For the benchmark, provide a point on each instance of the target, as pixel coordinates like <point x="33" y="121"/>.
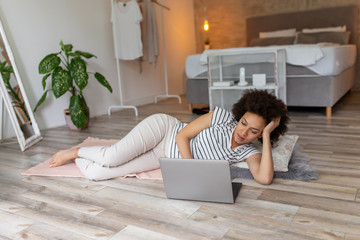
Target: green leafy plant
<point x="67" y="69"/>
<point x="14" y="93"/>
<point x="207" y="41"/>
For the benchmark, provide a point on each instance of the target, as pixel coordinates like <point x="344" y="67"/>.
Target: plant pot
<point x="207" y="46"/>
<point x="27" y="129"/>
<point x="71" y="124"/>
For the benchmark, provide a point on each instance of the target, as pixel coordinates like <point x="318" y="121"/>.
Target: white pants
<point x="138" y="151"/>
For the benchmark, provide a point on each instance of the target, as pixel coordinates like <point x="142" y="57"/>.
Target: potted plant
<point x="67" y="69"/>
<point x="207" y="44"/>
<point x="16" y="100"/>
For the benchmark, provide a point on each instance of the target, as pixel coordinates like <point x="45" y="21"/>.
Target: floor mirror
<point x="14" y="97"/>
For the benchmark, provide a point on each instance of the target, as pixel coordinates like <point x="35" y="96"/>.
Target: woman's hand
<point x="271" y="126"/>
<point x="261" y="166"/>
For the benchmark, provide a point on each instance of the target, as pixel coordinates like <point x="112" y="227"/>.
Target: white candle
<point x="242" y="77"/>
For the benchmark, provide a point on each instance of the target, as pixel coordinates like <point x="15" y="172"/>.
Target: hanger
<point x="161" y="5"/>
<point x="153" y="1"/>
<point x="124" y="2"/>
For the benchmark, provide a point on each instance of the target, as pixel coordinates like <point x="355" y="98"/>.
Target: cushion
<point x="330" y="37"/>
<point x="281" y="153"/>
<point x="272" y="41"/>
<point x="279" y="33"/>
<point x="325" y="29"/>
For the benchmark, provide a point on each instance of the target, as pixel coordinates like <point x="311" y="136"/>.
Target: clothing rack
<point x="121" y="106"/>
<point x="166" y="95"/>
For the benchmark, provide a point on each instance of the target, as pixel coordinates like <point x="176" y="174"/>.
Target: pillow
<point x="326" y="29"/>
<point x="332" y="37"/>
<point x="280" y="33"/>
<point x="272" y="41"/>
<point x="281" y="153"/>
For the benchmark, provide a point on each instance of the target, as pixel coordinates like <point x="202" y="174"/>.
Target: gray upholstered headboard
<point x="328" y="17"/>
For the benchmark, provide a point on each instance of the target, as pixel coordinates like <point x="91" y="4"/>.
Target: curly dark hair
<point x="265" y="105"/>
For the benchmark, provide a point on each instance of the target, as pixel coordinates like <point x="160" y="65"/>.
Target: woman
<point x="219" y="134"/>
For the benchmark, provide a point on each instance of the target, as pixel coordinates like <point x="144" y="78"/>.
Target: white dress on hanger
<point x="127" y="18"/>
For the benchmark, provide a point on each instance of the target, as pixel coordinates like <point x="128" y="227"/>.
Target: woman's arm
<point x="261" y="166"/>
<point x="184" y="136"/>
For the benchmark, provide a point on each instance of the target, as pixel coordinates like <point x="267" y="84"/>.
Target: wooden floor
<point x="76" y="208"/>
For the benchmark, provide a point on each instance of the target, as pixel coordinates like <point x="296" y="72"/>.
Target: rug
<point x="70" y="169"/>
<point x="299" y="168"/>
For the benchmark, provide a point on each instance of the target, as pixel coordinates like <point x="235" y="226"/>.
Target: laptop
<point x="198" y="179"/>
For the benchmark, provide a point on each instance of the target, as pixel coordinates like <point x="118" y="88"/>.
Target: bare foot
<point x="63" y="156"/>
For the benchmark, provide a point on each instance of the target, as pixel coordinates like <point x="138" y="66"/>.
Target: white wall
<point x="180" y="41"/>
<point x="35" y="27"/>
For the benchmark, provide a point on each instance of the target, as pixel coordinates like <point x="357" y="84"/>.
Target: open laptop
<point x="198" y="179"/>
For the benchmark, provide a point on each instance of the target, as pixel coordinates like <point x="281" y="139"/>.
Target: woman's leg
<point x="94" y="171"/>
<point x="144" y="137"/>
<point x="144" y="162"/>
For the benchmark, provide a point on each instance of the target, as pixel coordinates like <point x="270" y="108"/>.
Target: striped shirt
<point x="215" y="142"/>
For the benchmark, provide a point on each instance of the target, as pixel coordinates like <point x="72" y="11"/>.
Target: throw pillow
<point x="279" y="33"/>
<point x="272" y="41"/>
<point x="325" y="29"/>
<point x="330" y="37"/>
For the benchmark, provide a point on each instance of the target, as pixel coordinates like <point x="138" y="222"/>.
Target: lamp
<point x="206" y="25"/>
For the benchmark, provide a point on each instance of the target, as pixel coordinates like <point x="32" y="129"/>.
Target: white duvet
<point x="324" y="59"/>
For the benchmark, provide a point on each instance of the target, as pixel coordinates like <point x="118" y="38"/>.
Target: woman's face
<point x="249" y="128"/>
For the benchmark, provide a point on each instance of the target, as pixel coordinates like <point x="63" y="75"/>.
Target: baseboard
<point x="139" y="101"/>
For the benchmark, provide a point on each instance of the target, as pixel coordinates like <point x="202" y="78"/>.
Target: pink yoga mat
<point x="70" y="169"/>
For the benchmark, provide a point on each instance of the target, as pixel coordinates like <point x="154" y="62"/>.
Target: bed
<point x="319" y="81"/>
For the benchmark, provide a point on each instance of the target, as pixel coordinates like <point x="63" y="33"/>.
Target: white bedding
<point x="324" y="59"/>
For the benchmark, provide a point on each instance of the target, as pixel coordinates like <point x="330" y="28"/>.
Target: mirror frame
<point x="28" y="142"/>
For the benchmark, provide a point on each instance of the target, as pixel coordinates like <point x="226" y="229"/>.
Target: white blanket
<point x="299" y="54"/>
<point x="324" y="59"/>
